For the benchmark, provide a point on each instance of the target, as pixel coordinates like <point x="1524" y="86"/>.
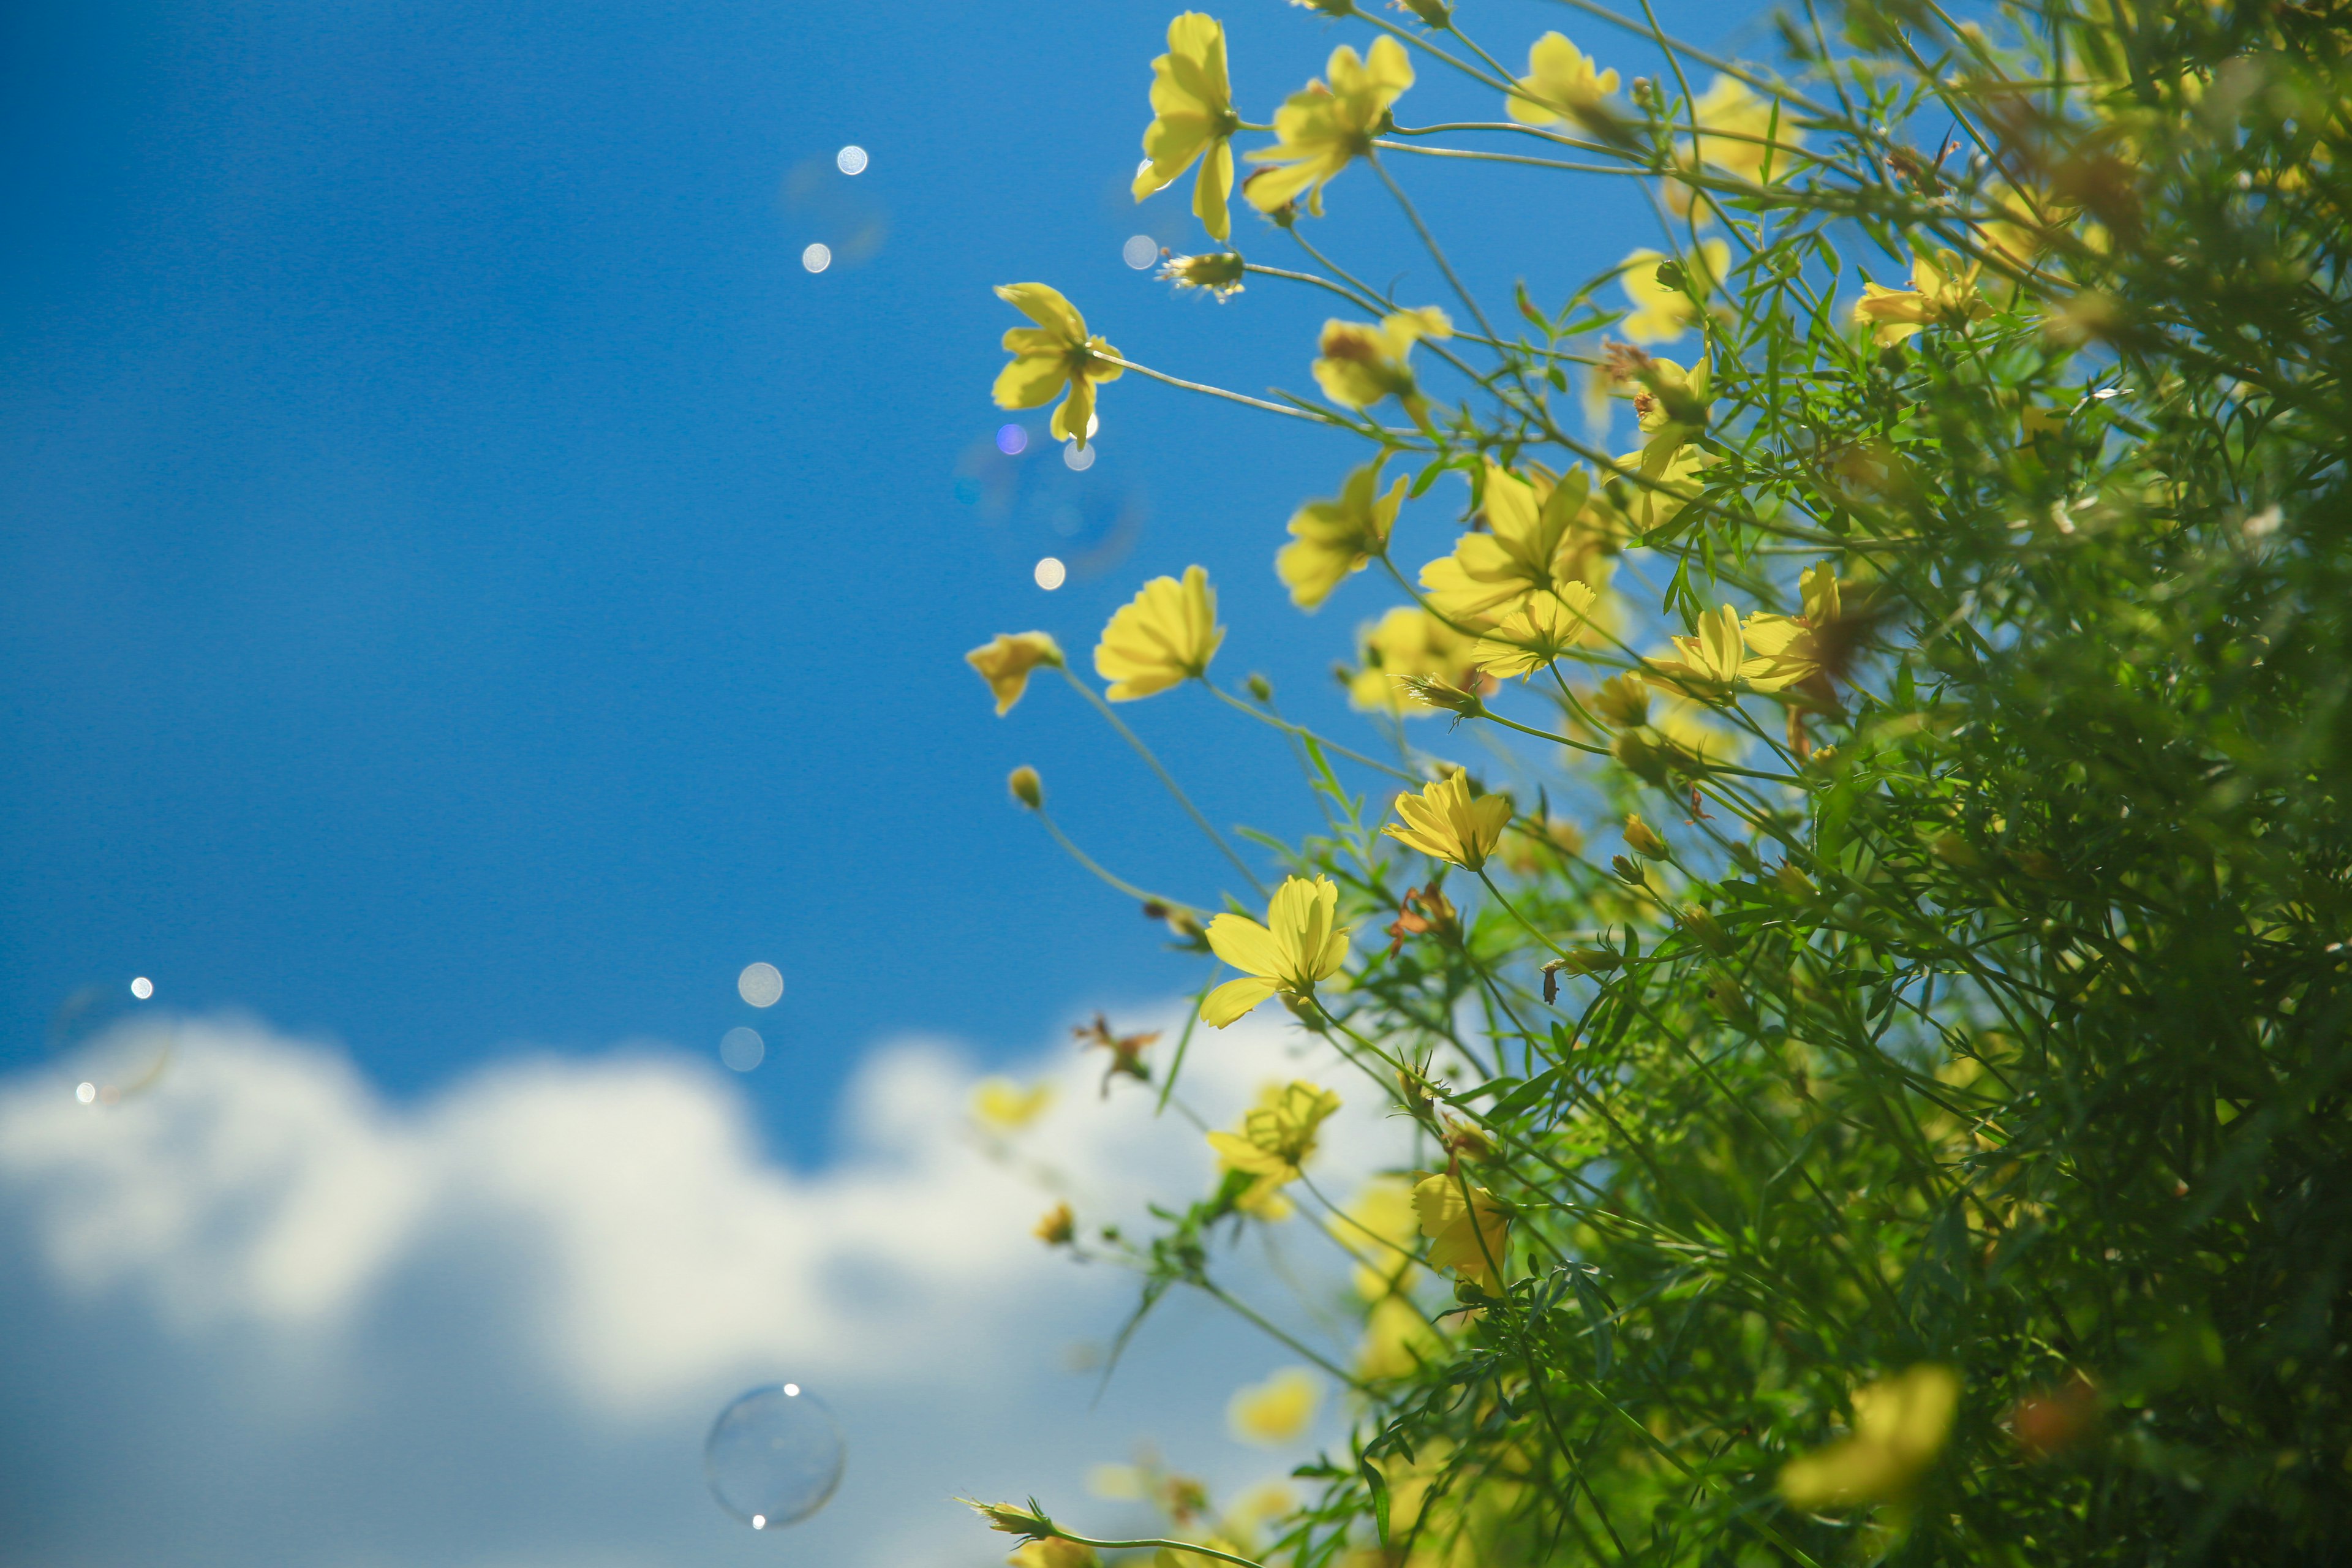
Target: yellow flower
<point x="1710" y="664"/>
<point x="1058" y="1227"/>
<point x="1470" y="1235"/>
<point x="1540" y="535"/>
<point x="1544" y="626"/>
<point x="1622" y="700"/>
<point x="1218" y="271"/>
<point x="1383" y="1237"/>
<point x="1409" y="643"/>
<point x="1360" y="364"/>
<point x="1561" y="84"/>
<point x="1445" y="820"/>
<point x="1164" y="636"/>
<point x="1193" y="110"/>
<point x="1278" y="1411"/>
<point x="1335" y="538"/>
<point x="1055" y="354"/>
<point x="1397" y="1339"/>
<point x="1900" y="1423"/>
<point x="1941" y="294"/>
<point x="1006" y="664"/>
<point x="1661" y="313"/>
<point x="1320" y="130"/>
<point x="1299" y="944"/>
<point x="1736" y="135"/>
<point x="1002" y="1105"/>
<point x="1277" y="1134"/>
<point x="1788" y="648"/>
<point x="1054" y="1552"/>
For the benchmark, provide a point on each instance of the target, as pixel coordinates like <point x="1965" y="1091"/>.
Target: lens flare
<point x="850" y="160"/>
<point x="817" y="258"/>
<point x="1051" y="573"/>
<point x="1139" y="251"/>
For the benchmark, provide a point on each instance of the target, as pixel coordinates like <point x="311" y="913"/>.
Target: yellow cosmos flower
<point x="1056" y="353"/>
<point x="1276" y="1140"/>
<point x="1736" y="135"/>
<point x="1002" y="1105"/>
<point x="1192" y="117"/>
<point x="1446" y="821"/>
<point x="1562" y="84"/>
<point x="1792" y="649"/>
<point x="1544" y="626"/>
<point x="1408" y="644"/>
<point x="1332" y="539"/>
<point x="1278" y="1411"/>
<point x="1164" y="636"/>
<point x="1467" y="1235"/>
<point x="1383" y="1237"/>
<point x="1942" y="293"/>
<point x="1662" y="314"/>
<point x="1299" y="944"/>
<point x="1398" y="1341"/>
<point x="1708" y="666"/>
<point x="1540" y="534"/>
<point x="1320" y="130"/>
<point x="1359" y="365"/>
<point x="1006" y="662"/>
<point x="1900" y="1424"/>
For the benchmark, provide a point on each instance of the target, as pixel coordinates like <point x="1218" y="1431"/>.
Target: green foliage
<point x="1991" y="1012"/>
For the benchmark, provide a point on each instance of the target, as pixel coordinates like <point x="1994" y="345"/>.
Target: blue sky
<point x="466" y="590"/>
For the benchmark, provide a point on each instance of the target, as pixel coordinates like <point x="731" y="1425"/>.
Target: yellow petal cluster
<point x="1192" y="117"/>
<point x="1164" y="636"/>
<point x="1540" y="534"/>
<point x="1942" y="293"/>
<point x="1358" y="364"/>
<point x="1788" y="649"/>
<point x="1445" y="820"/>
<point x="1331" y="539"/>
<point x="1900" y="1424"/>
<point x="1707" y="666"/>
<point x="1006" y="661"/>
<point x="1737" y="135"/>
<point x="1562" y="84"/>
<point x="1544" y="626"/>
<point x="1278" y="1411"/>
<point x="1320" y="129"/>
<point x="1300" y="943"/>
<point x="1469" y="1230"/>
<point x="1408" y="644"/>
<point x="1661" y="314"/>
<point x="1058" y="353"/>
<point x="1002" y="1105"/>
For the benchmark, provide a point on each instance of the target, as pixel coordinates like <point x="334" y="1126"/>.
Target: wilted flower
<point x="1664" y="310"/>
<point x="1421" y="912"/>
<point x="1166" y="635"/>
<point x="1006" y="662"/>
<point x="1331" y="539"/>
<point x="1126" y="1050"/>
<point x="1276" y="1137"/>
<point x="1057" y="352"/>
<point x="1900" y="1423"/>
<point x="1446" y="821"/>
<point x="1562" y="84"/>
<point x="1469" y="1234"/>
<point x="1275" y="1412"/>
<point x="1321" y="130"/>
<point x="1942" y="293"/>
<point x="1360" y="364"/>
<point x="1193" y="110"/>
<point x="1299" y="944"/>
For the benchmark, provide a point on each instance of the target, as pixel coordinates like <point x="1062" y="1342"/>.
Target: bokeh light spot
<point x="742" y="1049"/>
<point x="817" y="258"/>
<point x="1139" y="251"/>
<point x="1012" y="440"/>
<point x="761" y="984"/>
<point x="1051" y="573"/>
<point x="86" y="1092"/>
<point x="1077" y="458"/>
<point x="850" y="160"/>
<point x="774" y="1457"/>
<point x="143" y="988"/>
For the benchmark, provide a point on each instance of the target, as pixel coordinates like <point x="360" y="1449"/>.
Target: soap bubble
<point x="110" y="1040"/>
<point x="743" y="1049"/>
<point x="774" y="1457"/>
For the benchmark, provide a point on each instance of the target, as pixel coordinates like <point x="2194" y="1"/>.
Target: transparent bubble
<point x="1051" y="573"/>
<point x="850" y="160"/>
<point x="1012" y="440"/>
<point x="817" y="258"/>
<point x="761" y="984"/>
<point x="743" y="1049"/>
<point x="1077" y="458"/>
<point x="774" y="1457"/>
<point x="1139" y="251"/>
<point x="110" y="1040"/>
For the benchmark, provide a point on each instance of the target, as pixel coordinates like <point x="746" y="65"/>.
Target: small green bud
<point x="1026" y="787"/>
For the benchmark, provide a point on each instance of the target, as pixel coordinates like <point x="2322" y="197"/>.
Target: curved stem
<point x="1510" y="158"/>
<point x="1513" y="910"/>
<point x="1167" y="779"/>
<point x="1161" y="1544"/>
<point x="1216" y="391"/>
<point x="1429" y="242"/>
<point x="1091" y="864"/>
<point x="1287" y="728"/>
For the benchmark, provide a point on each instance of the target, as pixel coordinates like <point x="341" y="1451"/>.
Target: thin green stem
<point x="1166" y="778"/>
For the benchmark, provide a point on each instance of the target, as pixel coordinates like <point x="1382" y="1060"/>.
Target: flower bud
<point x="1059" y="1227"/>
<point x="1623" y="700"/>
<point x="1644" y="840"/>
<point x="1013" y="1518"/>
<point x="1259" y="687"/>
<point x="1641" y="756"/>
<point x="1629" y="872"/>
<point x="1709" y="932"/>
<point x="1436" y="13"/>
<point x="1026" y="787"/>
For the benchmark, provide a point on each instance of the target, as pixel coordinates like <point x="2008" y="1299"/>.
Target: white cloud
<point x="559" y="1268"/>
